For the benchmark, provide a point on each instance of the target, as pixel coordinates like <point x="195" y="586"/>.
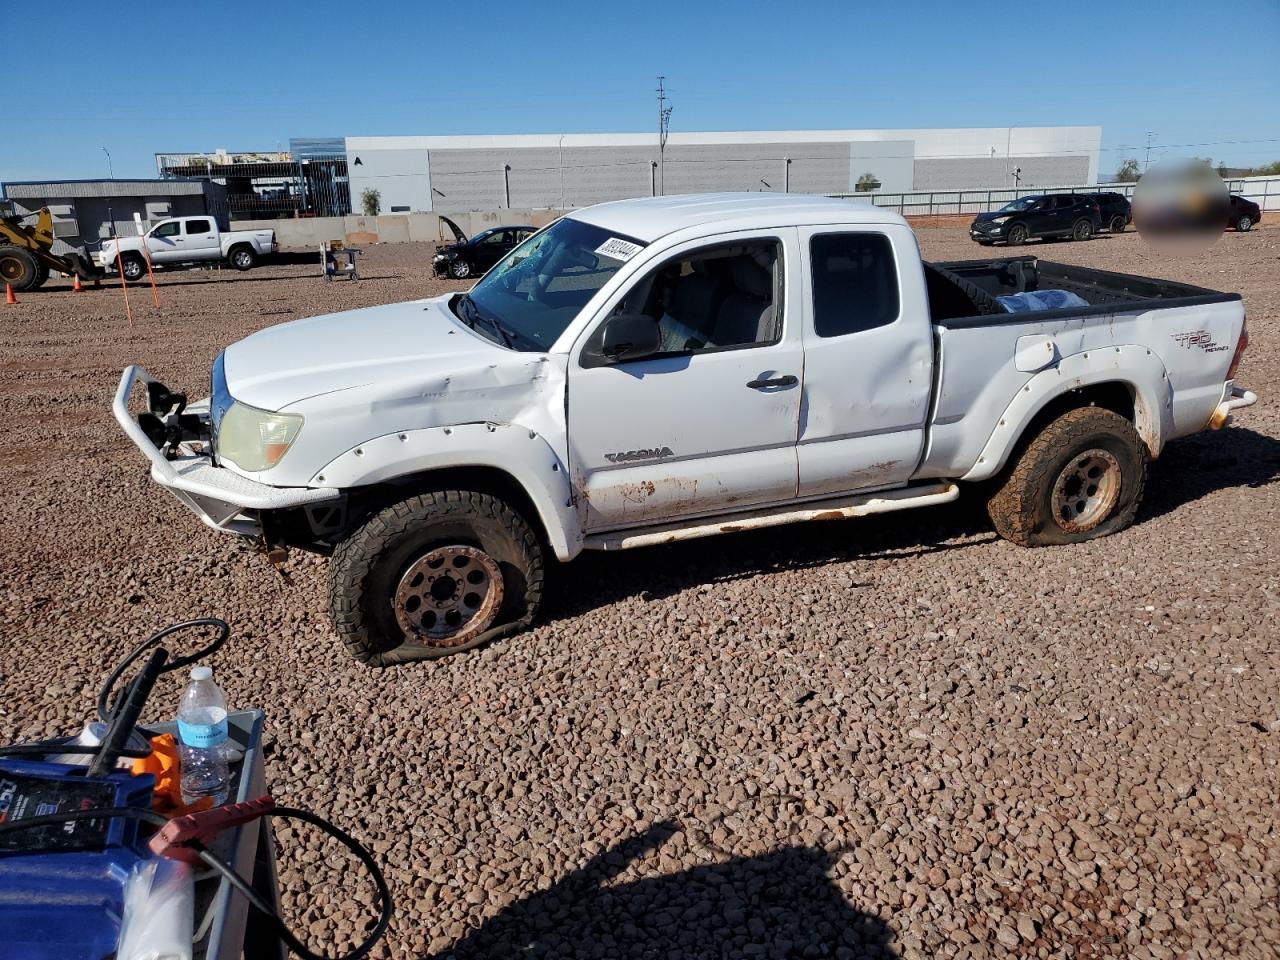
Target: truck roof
<point x="648" y="218"/>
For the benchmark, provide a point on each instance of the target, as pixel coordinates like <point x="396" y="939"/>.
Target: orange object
<point x="166" y="765"/>
<point x="8" y="294"/>
<point x="75" y="285"/>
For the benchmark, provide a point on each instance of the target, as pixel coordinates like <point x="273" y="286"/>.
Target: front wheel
<point x="133" y="267"/>
<point x="1017" y="235"/>
<point x="459" y="269"/>
<point x="435" y="574"/>
<point x="1083" y="230"/>
<point x="1081" y="478"/>
<point x="242" y="258"/>
<point x="1244" y="224"/>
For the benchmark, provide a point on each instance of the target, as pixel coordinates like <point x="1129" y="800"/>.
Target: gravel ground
<point x="896" y="736"/>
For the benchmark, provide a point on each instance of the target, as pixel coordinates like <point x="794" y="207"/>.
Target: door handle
<point x="787" y="381"/>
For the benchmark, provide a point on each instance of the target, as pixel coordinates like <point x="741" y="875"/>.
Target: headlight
<point x="255" y="439"/>
<point x="439" y="256"/>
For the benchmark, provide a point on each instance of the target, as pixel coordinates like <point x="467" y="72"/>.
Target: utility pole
<point x="1146" y="163"/>
<point x="664" y="124"/>
<point x="111" y="173"/>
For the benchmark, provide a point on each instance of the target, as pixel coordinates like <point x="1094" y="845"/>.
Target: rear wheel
<point x="1082" y="477"/>
<point x="1017" y="235"/>
<point x="1117" y="224"/>
<point x="1244" y="224"/>
<point x="19" y="268"/>
<point x="438" y="573"/>
<point x="1083" y="230"/>
<point x="242" y="258"/>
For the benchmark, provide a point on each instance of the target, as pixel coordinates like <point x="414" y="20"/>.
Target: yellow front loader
<point x="26" y="253"/>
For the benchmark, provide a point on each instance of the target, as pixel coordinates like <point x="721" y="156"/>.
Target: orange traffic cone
<point x="8" y="294"/>
<point x="75" y="286"/>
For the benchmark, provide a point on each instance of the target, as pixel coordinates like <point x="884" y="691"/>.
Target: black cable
<point x="106" y="708"/>
<point x="237" y="881"/>
<point x="45" y="748"/>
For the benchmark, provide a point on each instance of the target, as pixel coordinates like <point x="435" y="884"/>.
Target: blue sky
<point x="190" y="76"/>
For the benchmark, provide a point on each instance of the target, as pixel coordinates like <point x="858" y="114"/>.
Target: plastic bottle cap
<point x="201" y="673"/>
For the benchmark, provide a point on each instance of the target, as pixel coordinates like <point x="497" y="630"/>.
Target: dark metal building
<point x="86" y="212"/>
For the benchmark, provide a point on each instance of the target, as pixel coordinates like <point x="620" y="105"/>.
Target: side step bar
<point x="885" y="501"/>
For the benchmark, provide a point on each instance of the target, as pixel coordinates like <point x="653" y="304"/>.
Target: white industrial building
<point x="457" y="174"/>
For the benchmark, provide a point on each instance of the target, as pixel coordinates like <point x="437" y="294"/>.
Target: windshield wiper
<point x="463" y="302"/>
<point x="469" y="313"/>
<point x="502" y="331"/>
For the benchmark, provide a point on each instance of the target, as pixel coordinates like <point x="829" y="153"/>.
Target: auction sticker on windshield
<point x="618" y="249"/>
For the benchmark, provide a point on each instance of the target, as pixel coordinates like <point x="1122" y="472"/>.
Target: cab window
<point x="169" y="229"/>
<point x="723" y="297"/>
<point x="855" y="283"/>
<point x="200" y="227"/>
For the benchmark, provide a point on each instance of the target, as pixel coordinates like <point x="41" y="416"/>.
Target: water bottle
<point x="202" y="732"/>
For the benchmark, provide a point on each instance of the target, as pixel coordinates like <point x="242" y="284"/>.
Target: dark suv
<point x="1077" y="216"/>
<point x="1244" y="213"/>
<point x="1115" y="210"/>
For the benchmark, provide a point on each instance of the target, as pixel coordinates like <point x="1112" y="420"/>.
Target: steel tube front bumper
<point x="222" y="499"/>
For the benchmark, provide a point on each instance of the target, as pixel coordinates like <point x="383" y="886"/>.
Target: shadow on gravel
<point x="1206" y="462"/>
<point x="658" y="572"/>
<point x="783" y="904"/>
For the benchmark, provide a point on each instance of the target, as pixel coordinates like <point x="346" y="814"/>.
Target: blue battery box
<point x="62" y="887"/>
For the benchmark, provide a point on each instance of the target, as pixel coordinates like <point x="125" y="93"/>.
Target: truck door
<point x="201" y="239"/>
<point x="709" y="422"/>
<point x="868" y="359"/>
<point x="165" y="243"/>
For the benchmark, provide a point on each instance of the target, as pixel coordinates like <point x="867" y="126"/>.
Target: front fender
<point x="1136" y="367"/>
<point x="517" y="451"/>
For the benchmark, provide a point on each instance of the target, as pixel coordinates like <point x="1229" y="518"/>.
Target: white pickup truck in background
<point x="652" y="370"/>
<point x="186" y="242"/>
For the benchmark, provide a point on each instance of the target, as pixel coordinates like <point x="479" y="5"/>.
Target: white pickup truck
<point x="646" y="371"/>
<point x="185" y="242"/>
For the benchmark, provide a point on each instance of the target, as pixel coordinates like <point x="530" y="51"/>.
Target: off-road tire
<point x="1017" y="235"/>
<point x="241" y="258"/>
<point x="1022" y="506"/>
<point x="18" y="268"/>
<point x="1244" y="224"/>
<point x="1081" y="231"/>
<point x="133" y="267"/>
<point x="1118" y="224"/>
<point x="367" y="567"/>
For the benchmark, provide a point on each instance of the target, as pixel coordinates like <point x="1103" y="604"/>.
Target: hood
<point x="994" y="214"/>
<point x="457" y="230"/>
<point x="400" y="342"/>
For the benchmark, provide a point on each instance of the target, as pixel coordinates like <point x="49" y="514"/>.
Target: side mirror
<point x="629" y="336"/>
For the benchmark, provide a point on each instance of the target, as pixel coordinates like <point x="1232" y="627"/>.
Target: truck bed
<point x="962" y="292"/>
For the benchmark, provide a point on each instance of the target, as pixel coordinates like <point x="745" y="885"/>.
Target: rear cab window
<point x="855" y="283"/>
<point x="200" y="227"/>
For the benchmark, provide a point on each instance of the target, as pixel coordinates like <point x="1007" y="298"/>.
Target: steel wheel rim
<point x="1243" y="224"/>
<point x="11" y="269"/>
<point x="242" y="259"/>
<point x="132" y="270"/>
<point x="448" y="596"/>
<point x="1086" y="491"/>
